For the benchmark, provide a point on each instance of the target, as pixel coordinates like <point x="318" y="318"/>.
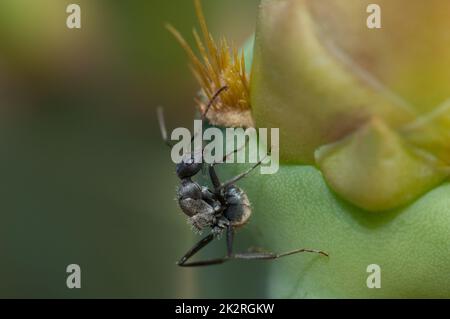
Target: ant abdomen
<point x="238" y="209"/>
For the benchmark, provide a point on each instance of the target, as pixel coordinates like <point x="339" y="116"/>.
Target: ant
<point x="224" y="208"/>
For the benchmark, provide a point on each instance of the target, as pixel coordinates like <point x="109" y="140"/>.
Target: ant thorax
<point x="238" y="209"/>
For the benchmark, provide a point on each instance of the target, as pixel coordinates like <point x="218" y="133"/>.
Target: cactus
<point x="364" y="121"/>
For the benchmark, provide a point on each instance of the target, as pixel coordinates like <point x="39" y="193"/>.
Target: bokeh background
<point x="85" y="177"/>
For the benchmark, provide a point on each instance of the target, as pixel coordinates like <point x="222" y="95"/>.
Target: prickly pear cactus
<point x="364" y="119"/>
<point x="364" y="124"/>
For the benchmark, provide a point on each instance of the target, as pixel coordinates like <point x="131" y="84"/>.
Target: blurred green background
<point x="85" y="177"/>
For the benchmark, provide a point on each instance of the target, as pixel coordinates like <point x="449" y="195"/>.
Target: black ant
<point x="223" y="209"/>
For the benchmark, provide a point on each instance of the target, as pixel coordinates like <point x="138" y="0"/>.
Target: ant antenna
<point x="210" y="103"/>
<point x="213" y="99"/>
<point x="162" y="122"/>
<point x="162" y="125"/>
<point x="208" y="107"/>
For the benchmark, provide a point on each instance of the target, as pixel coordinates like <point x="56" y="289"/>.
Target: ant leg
<point x="201" y="244"/>
<point x="240" y="176"/>
<point x="212" y="172"/>
<point x="214" y="178"/>
<point x="205" y="241"/>
<point x="262" y="255"/>
<point x="270" y="255"/>
<point x="230" y="256"/>
<point x="230" y="238"/>
<point x="225" y="157"/>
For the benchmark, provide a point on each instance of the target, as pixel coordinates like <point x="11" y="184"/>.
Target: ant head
<point x="188" y="167"/>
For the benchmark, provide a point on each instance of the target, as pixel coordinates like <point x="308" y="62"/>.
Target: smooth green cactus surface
<point x="295" y="208"/>
<point x="378" y="141"/>
<point x="351" y="146"/>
